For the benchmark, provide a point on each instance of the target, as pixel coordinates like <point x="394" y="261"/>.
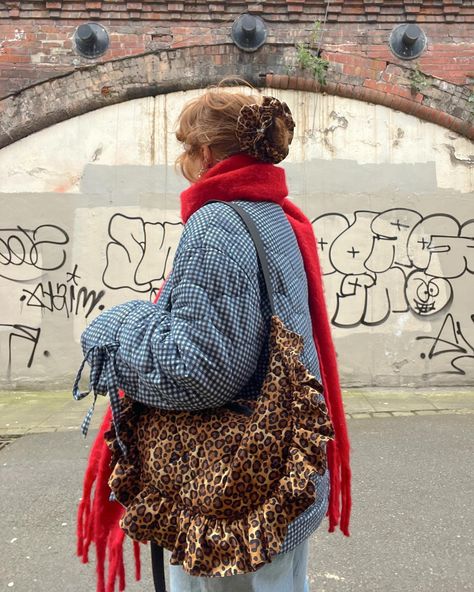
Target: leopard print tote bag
<point x="218" y="488"/>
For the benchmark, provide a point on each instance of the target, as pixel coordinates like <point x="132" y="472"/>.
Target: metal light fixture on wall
<point x="407" y="42"/>
<point x="249" y="32"/>
<point x="91" y="40"/>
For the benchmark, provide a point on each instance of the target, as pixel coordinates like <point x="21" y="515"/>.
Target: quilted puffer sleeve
<point x="199" y="350"/>
<point x="202" y="351"/>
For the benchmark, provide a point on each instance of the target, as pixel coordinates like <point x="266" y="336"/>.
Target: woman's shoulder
<point x="217" y="227"/>
<point x="217" y="215"/>
<point x="214" y="225"/>
<point x="212" y="214"/>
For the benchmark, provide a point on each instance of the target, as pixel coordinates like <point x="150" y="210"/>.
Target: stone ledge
<point x="37" y="412"/>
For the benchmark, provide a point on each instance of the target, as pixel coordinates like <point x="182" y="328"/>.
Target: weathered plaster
<point x="390" y="196"/>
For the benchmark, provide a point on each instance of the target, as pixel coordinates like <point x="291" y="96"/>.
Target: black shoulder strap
<point x="261" y="254"/>
<point x="158" y="567"/>
<point x="156" y="551"/>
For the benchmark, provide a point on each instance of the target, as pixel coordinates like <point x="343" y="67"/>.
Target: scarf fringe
<point x="85" y="520"/>
<point x="116" y="569"/>
<point x="138" y="563"/>
<point x="98" y="519"/>
<point x="339" y="450"/>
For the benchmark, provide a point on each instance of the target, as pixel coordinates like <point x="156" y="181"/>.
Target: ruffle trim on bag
<point x="236" y="546"/>
<point x="207" y="545"/>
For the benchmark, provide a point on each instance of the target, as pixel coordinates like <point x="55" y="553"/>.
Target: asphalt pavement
<point x="412" y="525"/>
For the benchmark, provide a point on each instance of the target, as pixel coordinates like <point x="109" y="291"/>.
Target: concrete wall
<point x="90" y="218"/>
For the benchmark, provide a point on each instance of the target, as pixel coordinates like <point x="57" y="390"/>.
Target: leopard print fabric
<point x="219" y="488"/>
<point x="254" y="126"/>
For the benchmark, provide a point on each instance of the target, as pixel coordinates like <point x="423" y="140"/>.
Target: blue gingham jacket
<point x="205" y="342"/>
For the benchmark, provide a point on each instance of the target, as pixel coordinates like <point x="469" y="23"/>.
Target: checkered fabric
<point x="205" y="342"/>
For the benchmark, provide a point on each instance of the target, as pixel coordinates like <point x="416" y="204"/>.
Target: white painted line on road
<point x="330" y="576"/>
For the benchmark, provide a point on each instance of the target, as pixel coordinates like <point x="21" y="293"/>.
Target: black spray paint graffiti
<point x="452" y="345"/>
<point x="67" y="296"/>
<point x="140" y="254"/>
<point x="22" y="249"/>
<point x="377" y="253"/>
<point x="29" y="334"/>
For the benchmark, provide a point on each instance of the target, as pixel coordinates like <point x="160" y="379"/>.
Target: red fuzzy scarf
<point x="244" y="178"/>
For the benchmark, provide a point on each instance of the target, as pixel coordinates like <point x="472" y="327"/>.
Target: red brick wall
<point x="36" y="36"/>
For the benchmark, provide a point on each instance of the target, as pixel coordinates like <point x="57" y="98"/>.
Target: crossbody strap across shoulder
<point x="259" y="247"/>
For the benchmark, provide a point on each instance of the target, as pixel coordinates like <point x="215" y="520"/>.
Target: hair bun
<point x="265" y="131"/>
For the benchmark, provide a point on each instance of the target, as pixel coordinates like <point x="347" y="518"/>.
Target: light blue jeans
<point x="286" y="573"/>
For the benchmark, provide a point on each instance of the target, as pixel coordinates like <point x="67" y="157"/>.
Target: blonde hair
<point x="210" y="120"/>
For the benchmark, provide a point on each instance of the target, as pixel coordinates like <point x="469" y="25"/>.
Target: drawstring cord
<point x="103" y="380"/>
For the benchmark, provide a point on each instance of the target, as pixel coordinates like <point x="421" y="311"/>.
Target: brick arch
<point x="392" y="99"/>
<point x="93" y="87"/>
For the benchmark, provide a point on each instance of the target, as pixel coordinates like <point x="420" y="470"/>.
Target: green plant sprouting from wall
<point x="418" y="81"/>
<point x="315" y="33"/>
<point x="308" y="55"/>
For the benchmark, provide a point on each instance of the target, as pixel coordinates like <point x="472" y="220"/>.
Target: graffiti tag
<point x="139" y="254"/>
<point x="376" y="253"/>
<point x="40" y="248"/>
<point x="450" y="342"/>
<point x="23" y="332"/>
<point x="64" y="296"/>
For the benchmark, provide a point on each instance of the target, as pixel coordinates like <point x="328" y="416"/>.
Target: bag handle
<point x="261" y="254"/>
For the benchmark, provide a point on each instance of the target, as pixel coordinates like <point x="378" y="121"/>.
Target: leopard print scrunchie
<point x="254" y="124"/>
